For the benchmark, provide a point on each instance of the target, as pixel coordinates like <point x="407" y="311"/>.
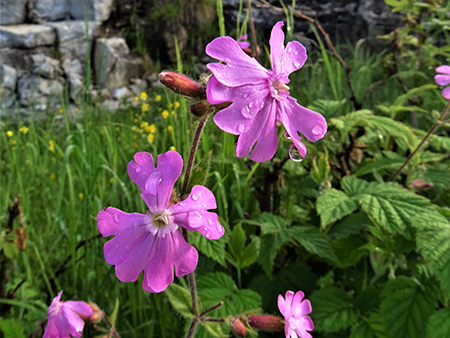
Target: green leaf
<point x="214" y="329"/>
<point x="113" y="317"/>
<point x="217" y="286"/>
<point x="214" y="249"/>
<point x="240" y="255"/>
<point x="370" y="328"/>
<point x="200" y="172"/>
<point x="393" y="207"/>
<point x="348" y="250"/>
<point x="333" y="310"/>
<point x="180" y="298"/>
<point x="439" y="324"/>
<point x="333" y="205"/>
<point x="10" y="249"/>
<point x="11" y="328"/>
<point x="346" y="122"/>
<point x="353" y="186"/>
<point x="406" y="307"/>
<point x="312" y="240"/>
<point x="433" y="236"/>
<point x="321" y="168"/>
<point x="350" y="225"/>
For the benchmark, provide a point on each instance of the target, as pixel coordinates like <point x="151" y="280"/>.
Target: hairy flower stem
<point x="212" y="308"/>
<point x="252" y="28"/>
<point x="187" y="175"/>
<point x="443" y="116"/>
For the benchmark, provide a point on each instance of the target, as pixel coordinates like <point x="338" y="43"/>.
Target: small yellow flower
<point x="158" y="98"/>
<point x="133" y="128"/>
<point x="144" y="96"/>
<point x="9" y="133"/>
<point x="136" y="98"/>
<point x="90" y="123"/>
<point x="171" y="105"/>
<point x="135" y="120"/>
<point x="111" y="180"/>
<point x="165" y="114"/>
<point x="23" y="129"/>
<point x="169" y="129"/>
<point x="51" y="145"/>
<point x="81" y="196"/>
<point x="177" y="104"/>
<point x="188" y="132"/>
<point x="173" y="113"/>
<point x="150" y="138"/>
<point x="152" y="128"/>
<point x="13" y="142"/>
<point x="52" y="176"/>
<point x="61" y="111"/>
<point x="145" y="107"/>
<point x="144" y="124"/>
<point x="172" y="148"/>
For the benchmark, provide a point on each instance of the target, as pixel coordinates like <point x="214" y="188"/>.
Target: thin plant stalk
<point x="252" y="28"/>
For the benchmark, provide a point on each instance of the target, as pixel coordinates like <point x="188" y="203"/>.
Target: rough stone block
<point x="48" y="10"/>
<point x="8" y="77"/>
<point x="97" y="10"/>
<point x="26" y="36"/>
<point x="12" y="12"/>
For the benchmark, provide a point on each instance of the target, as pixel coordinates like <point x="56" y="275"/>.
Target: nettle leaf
<point x="370" y="328"/>
<point x="439" y="324"/>
<point x="353" y="186"/>
<point x="200" y="172"/>
<point x="406" y="307"/>
<point x="312" y="240"/>
<point x="214" y="249"/>
<point x="218" y="286"/>
<point x="240" y="255"/>
<point x="393" y="207"/>
<point x="333" y="205"/>
<point x="180" y="298"/>
<point x="333" y="310"/>
<point x="433" y="236"/>
<point x="11" y="328"/>
<point x="348" y="250"/>
<point x="350" y="225"/>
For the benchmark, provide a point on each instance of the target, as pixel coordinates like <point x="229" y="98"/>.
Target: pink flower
<point x="65" y="318"/>
<point x="260" y="96"/>
<point x="152" y="241"/>
<point x="443" y="79"/>
<point x="294" y="311"/>
<point x="241" y="41"/>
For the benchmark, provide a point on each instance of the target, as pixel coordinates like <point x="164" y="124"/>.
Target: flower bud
<point x="201" y="108"/>
<point x="97" y="313"/>
<point x="181" y="84"/>
<point x="238" y="327"/>
<point x="266" y="322"/>
<point x="420" y="184"/>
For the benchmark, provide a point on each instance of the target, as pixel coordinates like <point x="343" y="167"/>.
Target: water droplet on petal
<point x="287" y="135"/>
<point x="241" y="128"/>
<point x="116" y="218"/>
<point x="294" y="154"/>
<point x="205" y="229"/>
<point x="194" y="197"/>
<point x="317" y="130"/>
<point x="220" y="228"/>
<point x="296" y="53"/>
<point x="209" y="221"/>
<point x="138" y="169"/>
<point x="245" y="95"/>
<point x="296" y="64"/>
<point x="207" y="235"/>
<point x="289" y="49"/>
<point x="250" y="105"/>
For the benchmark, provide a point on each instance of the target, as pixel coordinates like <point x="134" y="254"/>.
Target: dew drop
<point x="138" y="169"/>
<point x="294" y="154"/>
<point x="209" y="221"/>
<point x="296" y="53"/>
<point x="241" y="128"/>
<point x="195" y="197"/>
<point x="207" y="235"/>
<point x="296" y="64"/>
<point x="245" y="95"/>
<point x="220" y="229"/>
<point x="287" y="135"/>
<point x="317" y="129"/>
<point x="116" y="218"/>
<point x="205" y="229"/>
<point x="289" y="50"/>
<point x="250" y="105"/>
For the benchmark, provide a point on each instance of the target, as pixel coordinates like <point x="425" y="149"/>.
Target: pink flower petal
<point x="159" y="272"/>
<point x="296" y="304"/>
<point x="443" y="69"/>
<point x="282" y="305"/>
<point x="240" y="69"/>
<point x="112" y="221"/>
<point x="80" y="308"/>
<point x="170" y="165"/>
<point x="141" y="168"/>
<point x="293" y="59"/>
<point x="446" y="93"/>
<point x="71" y="322"/>
<point x="192" y="213"/>
<point x="51" y="331"/>
<point x="442" y="80"/>
<point x="267" y="144"/>
<point x="307" y="324"/>
<point x="186" y="257"/>
<point x="276" y="43"/>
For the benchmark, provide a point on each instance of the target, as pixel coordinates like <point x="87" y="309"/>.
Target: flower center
<point x="161" y="219"/>
<point x="55" y="310"/>
<point x="277" y="88"/>
<point x="294" y="323"/>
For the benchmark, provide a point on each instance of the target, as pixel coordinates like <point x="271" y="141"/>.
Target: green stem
<point x="444" y="115"/>
<point x="252" y="28"/>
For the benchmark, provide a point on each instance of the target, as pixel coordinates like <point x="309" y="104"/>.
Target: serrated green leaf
<point x="346" y="122"/>
<point x="347" y="250"/>
<point x="406" y="308"/>
<point x="370" y="328"/>
<point x="350" y="225"/>
<point x="10" y="249"/>
<point x="312" y="240"/>
<point x="439" y="324"/>
<point x="113" y="317"/>
<point x="333" y="205"/>
<point x="241" y="255"/>
<point x="393" y="207"/>
<point x="333" y="310"/>
<point x="214" y="249"/>
<point x="214" y="329"/>
<point x="11" y="328"/>
<point x="433" y="236"/>
<point x="369" y="166"/>
<point x="368" y="300"/>
<point x="354" y="186"/>
<point x="200" y="172"/>
<point x="180" y="298"/>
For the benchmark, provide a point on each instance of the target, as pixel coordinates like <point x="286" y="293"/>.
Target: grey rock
<point x="48" y="10"/>
<point x="46" y="66"/>
<point x="113" y="65"/>
<point x="26" y="36"/>
<point x="122" y="93"/>
<point x="96" y="10"/>
<point x="38" y="92"/>
<point x="138" y="86"/>
<point x="74" y="74"/>
<point x="8" y="77"/>
<point x="12" y="12"/>
<point x="110" y="105"/>
<point x="7" y="97"/>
